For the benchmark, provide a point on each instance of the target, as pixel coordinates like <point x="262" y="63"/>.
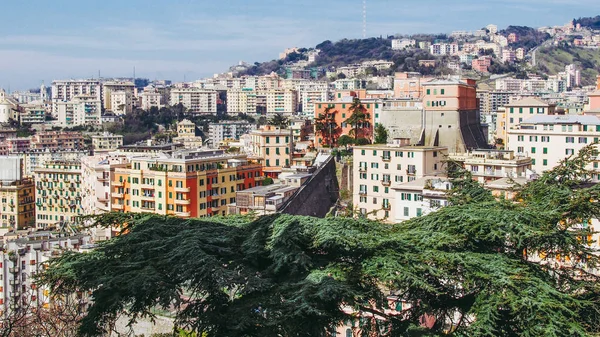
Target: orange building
<point x="408" y="85"/>
<point x="340" y="112"/>
<point x="185" y="184"/>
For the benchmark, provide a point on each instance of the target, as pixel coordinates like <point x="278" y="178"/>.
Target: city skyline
<point x="192" y="39"/>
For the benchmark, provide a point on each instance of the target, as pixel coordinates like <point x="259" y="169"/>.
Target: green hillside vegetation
<point x="527" y="37"/>
<point x="553" y="60"/>
<point x="593" y="23"/>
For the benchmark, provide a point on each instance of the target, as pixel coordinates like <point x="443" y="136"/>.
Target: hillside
<point x="552" y="60"/>
<point x="528" y="37"/>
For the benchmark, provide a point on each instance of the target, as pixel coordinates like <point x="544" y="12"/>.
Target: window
<point x="533" y="150"/>
<point x="569" y="152"/>
<point x="419" y="212"/>
<point x="582" y="140"/>
<point x="442" y="91"/>
<point x="375" y="188"/>
<point x="362" y="152"/>
<point x="545" y="150"/>
<point x="570" y="139"/>
<point x="545" y="162"/>
<point x="405" y="211"/>
<point x="531" y="110"/>
<point x="520" y="138"/>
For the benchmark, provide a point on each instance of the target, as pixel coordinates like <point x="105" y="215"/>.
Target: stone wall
<point x="318" y="195"/>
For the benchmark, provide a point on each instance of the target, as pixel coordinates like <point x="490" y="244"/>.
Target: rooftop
<point x="528" y="101"/>
<point x="563" y="119"/>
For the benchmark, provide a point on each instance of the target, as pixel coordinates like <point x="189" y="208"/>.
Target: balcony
<point x="363" y="193"/>
<point x="147" y="197"/>
<point x="386" y="158"/>
<point x="183" y="189"/>
<point x="147" y="187"/>
<point x="13" y="269"/>
<point x="118" y="195"/>
<point x="118" y="206"/>
<point x="386" y="183"/>
<point x="362" y="169"/>
<point x="147" y="210"/>
<point x="183" y="202"/>
<point x="118" y="183"/>
<point x="411" y="172"/>
<point x="14" y="282"/>
<point x="182" y="214"/>
<point x="386" y="207"/>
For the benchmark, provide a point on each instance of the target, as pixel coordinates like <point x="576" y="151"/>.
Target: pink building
<point x="482" y="63"/>
<point x="512" y="38"/>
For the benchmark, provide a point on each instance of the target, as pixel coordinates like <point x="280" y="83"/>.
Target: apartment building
<point x="548" y="139"/>
<point x="218" y="132"/>
<point x="32" y="114"/>
<point x="281" y="101"/>
<point x="491" y="100"/>
<point x="377" y="167"/>
<point x="339" y="111"/>
<point x="487" y="164"/>
<point x="184" y="184"/>
<point x="117" y="96"/>
<point x="58" y="193"/>
<point x="15" y="145"/>
<point x="24" y="257"/>
<point x="408" y="85"/>
<point x="398" y="44"/>
<point x="106" y="141"/>
<point x="151" y="98"/>
<point x="272" y="147"/>
<point x="420" y="197"/>
<point x="81" y="110"/>
<point x="96" y="174"/>
<point x="517" y="111"/>
<point x="308" y="99"/>
<point x="17" y="195"/>
<point x="66" y="90"/>
<point x="195" y="100"/>
<point x="33" y="159"/>
<point x="57" y="140"/>
<point x="241" y="100"/>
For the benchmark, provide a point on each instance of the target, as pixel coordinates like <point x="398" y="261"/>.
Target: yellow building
<point x="184" y="184"/>
<point x="18" y="211"/>
<point x="58" y="193"/>
<point x="271" y="147"/>
<point x="106" y="141"/>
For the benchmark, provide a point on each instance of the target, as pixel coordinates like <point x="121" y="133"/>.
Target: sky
<point x="43" y="40"/>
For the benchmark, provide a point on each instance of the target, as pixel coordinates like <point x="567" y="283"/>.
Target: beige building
<point x="281" y="100"/>
<point x="241" y="100"/>
<point x="81" y="110"/>
<point x="518" y="111"/>
<point x="420" y="197"/>
<point x="195" y="100"/>
<point x="106" y="141"/>
<point x="117" y="93"/>
<point x="550" y="139"/>
<point x="17" y="203"/>
<point x="487" y="165"/>
<point x="271" y="147"/>
<point x="58" y="193"/>
<point x="377" y="167"/>
<point x="66" y="90"/>
<point x="151" y="98"/>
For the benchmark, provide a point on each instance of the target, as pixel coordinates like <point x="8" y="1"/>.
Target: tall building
<point x="195" y="100"/>
<point x="451" y="116"/>
<point x="17" y="195"/>
<point x="281" y="101"/>
<point x="58" y="194"/>
<point x="117" y="96"/>
<point x="106" y="141"/>
<point x="185" y="184"/>
<point x="517" y="111"/>
<point x="33" y="158"/>
<point x="66" y="90"/>
<point x="273" y="148"/>
<point x="96" y="174"/>
<point x="81" y="110"/>
<point x="218" y="132"/>
<point x="32" y="114"/>
<point x="151" y="98"/>
<point x="241" y="100"/>
<point x="548" y="139"/>
<point x="377" y="167"/>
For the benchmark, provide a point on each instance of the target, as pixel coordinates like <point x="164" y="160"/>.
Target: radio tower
<point x="364" y="13"/>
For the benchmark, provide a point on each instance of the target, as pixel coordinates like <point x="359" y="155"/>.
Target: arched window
<point x="348" y="332"/>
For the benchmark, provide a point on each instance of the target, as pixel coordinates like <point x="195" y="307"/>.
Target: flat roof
<point x="563" y="119"/>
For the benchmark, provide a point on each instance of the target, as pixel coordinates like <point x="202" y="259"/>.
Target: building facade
<point x="195" y="100"/>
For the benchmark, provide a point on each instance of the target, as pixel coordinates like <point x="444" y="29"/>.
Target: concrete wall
<point x="317" y="196"/>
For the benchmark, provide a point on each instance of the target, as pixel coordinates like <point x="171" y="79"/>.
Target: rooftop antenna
<point x="364" y="13"/>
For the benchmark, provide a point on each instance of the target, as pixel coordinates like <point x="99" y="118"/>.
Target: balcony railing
<point x="182" y="214"/>
<point x="362" y="169"/>
<point x="118" y="206"/>
<point x="386" y="182"/>
<point x="386" y="158"/>
<point x="182" y="202"/>
<point x="119" y="183"/>
<point x="362" y="192"/>
<point x="386" y="207"/>
<point x="183" y="189"/>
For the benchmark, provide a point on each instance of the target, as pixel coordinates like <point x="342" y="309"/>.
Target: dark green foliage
<point x="466" y="267"/>
<point x="591" y="22"/>
<point x="527" y="37"/>
<point x="345" y="140"/>
<point x="278" y="120"/>
<point x="381" y="134"/>
<point x="359" y="120"/>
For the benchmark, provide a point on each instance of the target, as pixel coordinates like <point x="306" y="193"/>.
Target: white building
<point x="33" y="114"/>
<point x="121" y="102"/>
<point x="492" y="29"/>
<point x="106" y="141"/>
<point x="420" y="197"/>
<point x="281" y="101"/>
<point x="8" y="109"/>
<point x="218" y="132"/>
<point x="548" y="139"/>
<point x="377" y="167"/>
<point x="241" y="100"/>
<point x="444" y="49"/>
<point x="151" y="97"/>
<point x="398" y="44"/>
<point x="96" y="174"/>
<point x="81" y="110"/>
<point x="508" y="56"/>
<point x="66" y="90"/>
<point x="124" y="90"/>
<point x="195" y="100"/>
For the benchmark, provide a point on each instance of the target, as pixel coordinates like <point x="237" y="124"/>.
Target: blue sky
<point x="170" y="39"/>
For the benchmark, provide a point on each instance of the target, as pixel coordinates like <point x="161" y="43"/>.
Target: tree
<point x="327" y="127"/>
<point x="345" y="140"/>
<point x="381" y="134"/>
<point x="359" y="119"/>
<point x="479" y="267"/>
<point x="279" y="121"/>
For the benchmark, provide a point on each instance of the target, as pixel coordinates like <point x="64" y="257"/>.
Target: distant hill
<point x="593" y="23"/>
<point x="527" y="37"/>
<point x="552" y="60"/>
